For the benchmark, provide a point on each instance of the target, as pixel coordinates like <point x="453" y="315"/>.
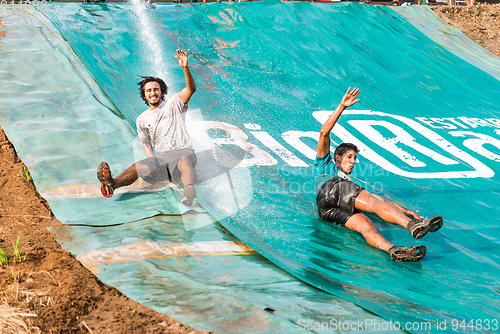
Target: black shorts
<point x="164" y="166"/>
<point x="336" y="200"/>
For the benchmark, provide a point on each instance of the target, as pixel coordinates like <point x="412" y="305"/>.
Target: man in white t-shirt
<point x="162" y="131"/>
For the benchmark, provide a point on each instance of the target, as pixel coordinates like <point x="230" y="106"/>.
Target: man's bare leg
<point x="127" y="177"/>
<point x="361" y="224"/>
<point x="188" y="178"/>
<point x="388" y="212"/>
<point x="391" y="214"/>
<point x="131" y="174"/>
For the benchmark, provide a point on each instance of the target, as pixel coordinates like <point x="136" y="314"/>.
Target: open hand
<point x="182" y="58"/>
<point x="349" y="98"/>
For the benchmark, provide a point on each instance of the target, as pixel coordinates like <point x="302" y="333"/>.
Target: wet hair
<point x="343" y="149"/>
<point x="145" y="80"/>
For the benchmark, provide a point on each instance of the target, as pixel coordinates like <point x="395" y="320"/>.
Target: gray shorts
<point x="164" y="166"/>
<point x="336" y="200"/>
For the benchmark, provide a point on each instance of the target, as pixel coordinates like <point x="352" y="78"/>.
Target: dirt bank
<point x="479" y="23"/>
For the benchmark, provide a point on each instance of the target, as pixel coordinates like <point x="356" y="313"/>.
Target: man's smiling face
<point x="152" y="93"/>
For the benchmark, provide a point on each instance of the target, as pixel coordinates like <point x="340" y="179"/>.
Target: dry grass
<point x="16" y="321"/>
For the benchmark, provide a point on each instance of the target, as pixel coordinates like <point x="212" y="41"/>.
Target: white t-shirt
<point x="164" y="127"/>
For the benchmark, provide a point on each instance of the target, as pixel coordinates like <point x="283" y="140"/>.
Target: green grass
<point x="26" y="174"/>
<point x="4" y="257"/>
<point x="17" y="254"/>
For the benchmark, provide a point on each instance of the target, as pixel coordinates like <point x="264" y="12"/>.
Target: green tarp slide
<point x="268" y="74"/>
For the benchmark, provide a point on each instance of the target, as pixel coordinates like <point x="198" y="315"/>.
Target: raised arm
<point x="190" y="88"/>
<point x="348" y="100"/>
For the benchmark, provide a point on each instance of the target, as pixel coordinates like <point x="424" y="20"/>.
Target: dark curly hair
<point x="343" y="149"/>
<point x="145" y="80"/>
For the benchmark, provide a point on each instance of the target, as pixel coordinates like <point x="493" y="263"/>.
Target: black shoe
<point x="419" y="228"/>
<point x="415" y="253"/>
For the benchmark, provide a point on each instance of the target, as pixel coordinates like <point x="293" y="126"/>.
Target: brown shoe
<point x="104" y="176"/>
<point x="414" y="254"/>
<point x="189" y="195"/>
<point x="419" y="228"/>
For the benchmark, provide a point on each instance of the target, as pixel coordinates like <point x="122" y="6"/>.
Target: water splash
<point x="150" y="37"/>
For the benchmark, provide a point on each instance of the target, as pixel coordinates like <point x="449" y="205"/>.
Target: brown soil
<point x="65" y="296"/>
<point x="479" y="23"/>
